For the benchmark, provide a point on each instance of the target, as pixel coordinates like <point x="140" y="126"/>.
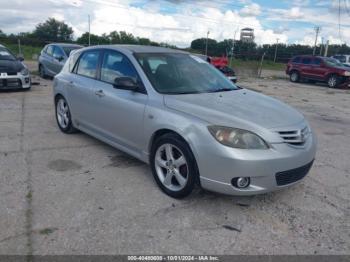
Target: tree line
<point x="53" y="30"/>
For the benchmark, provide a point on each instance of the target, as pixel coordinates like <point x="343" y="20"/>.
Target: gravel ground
<point x="71" y="194"/>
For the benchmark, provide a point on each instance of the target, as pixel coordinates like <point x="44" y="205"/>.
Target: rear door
<point x="81" y="89"/>
<point x="306" y="67"/>
<point x="48" y="60"/>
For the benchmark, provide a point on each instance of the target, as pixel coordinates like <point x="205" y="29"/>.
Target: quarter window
<point x="88" y="64"/>
<point x="116" y="65"/>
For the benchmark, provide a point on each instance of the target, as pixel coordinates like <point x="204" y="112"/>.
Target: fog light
<point x="241" y="182"/>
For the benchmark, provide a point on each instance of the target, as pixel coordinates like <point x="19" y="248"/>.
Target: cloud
<point x="251" y="10"/>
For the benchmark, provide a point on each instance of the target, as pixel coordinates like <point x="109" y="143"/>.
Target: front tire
<point x="333" y="81"/>
<point x="173" y="165"/>
<point x="63" y="116"/>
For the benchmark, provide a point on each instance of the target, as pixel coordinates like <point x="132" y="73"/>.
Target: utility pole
<point x="89" y="28"/>
<point x="326" y="49"/>
<point x="206" y="44"/>
<point x="317" y="30"/>
<point x="233" y="47"/>
<point x="321" y="49"/>
<point x="274" y="60"/>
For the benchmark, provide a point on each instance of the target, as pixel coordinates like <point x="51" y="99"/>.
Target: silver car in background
<point x="53" y="57"/>
<point x="192" y="125"/>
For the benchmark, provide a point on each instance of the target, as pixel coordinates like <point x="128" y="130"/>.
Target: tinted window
<point x="88" y="64"/>
<point x="49" y="50"/>
<point x="116" y="65"/>
<point x="316" y="61"/>
<point x="296" y="59"/>
<point x="306" y="60"/>
<point x="57" y="52"/>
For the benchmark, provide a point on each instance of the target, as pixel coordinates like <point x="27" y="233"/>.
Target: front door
<point x="119" y="113"/>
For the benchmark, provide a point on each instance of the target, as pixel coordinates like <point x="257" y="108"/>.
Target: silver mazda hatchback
<point x="178" y="113"/>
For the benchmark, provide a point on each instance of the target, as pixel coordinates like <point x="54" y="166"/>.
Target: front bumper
<point x="18" y="81"/>
<point x="265" y="168"/>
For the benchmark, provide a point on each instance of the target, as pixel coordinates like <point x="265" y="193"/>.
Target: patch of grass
<point x="28" y="51"/>
<point x="29" y="195"/>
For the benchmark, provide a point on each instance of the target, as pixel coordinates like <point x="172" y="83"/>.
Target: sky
<point x="178" y="22"/>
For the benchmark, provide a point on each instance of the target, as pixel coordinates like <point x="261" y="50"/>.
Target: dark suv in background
<point x="318" y="69"/>
<point x="53" y="57"/>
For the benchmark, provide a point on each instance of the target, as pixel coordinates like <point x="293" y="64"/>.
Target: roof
<point x="66" y="44"/>
<point x="140" y="48"/>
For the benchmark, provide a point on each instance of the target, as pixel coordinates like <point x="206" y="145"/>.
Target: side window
<point x="57" y="52"/>
<point x="306" y="60"/>
<point x="116" y="65"/>
<point x="316" y="61"/>
<point x="49" y="50"/>
<point x="88" y="64"/>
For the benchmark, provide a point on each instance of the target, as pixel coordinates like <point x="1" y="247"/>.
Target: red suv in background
<point x="318" y="68"/>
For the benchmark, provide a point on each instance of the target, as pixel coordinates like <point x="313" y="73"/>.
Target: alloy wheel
<point x="171" y="167"/>
<point x="332" y="81"/>
<point x="62" y="113"/>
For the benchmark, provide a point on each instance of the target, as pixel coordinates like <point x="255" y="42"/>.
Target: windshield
<point x="332" y="62"/>
<point x="340" y="58"/>
<point x="172" y="73"/>
<point x="69" y="49"/>
<point x="6" y="54"/>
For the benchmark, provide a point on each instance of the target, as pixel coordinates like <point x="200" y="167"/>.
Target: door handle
<point x="100" y="93"/>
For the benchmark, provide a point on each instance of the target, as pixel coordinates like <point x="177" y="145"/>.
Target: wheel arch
<point x="160" y="132"/>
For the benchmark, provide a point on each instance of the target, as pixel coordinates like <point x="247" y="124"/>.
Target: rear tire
<point x="294" y="77"/>
<point x="63" y="116"/>
<point x="333" y="81"/>
<point x="173" y="165"/>
<point x="42" y="72"/>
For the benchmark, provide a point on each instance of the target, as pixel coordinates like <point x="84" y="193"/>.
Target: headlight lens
<point x="346" y="73"/>
<point x="24" y="71"/>
<point x="237" y="138"/>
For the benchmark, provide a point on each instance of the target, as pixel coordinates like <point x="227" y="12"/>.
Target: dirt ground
<point x="71" y="194"/>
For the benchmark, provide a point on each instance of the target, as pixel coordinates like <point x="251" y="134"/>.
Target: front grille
<point x="11" y="73"/>
<point x="295" y="137"/>
<point x="10" y="83"/>
<point x="293" y="175"/>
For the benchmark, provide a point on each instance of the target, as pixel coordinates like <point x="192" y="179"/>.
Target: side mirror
<point x="20" y="57"/>
<point x="59" y="58"/>
<point x="126" y="83"/>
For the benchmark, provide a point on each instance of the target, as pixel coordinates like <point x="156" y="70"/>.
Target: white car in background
<point x="344" y="59"/>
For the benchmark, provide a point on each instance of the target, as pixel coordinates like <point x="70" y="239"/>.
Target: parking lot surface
<point x="71" y="194"/>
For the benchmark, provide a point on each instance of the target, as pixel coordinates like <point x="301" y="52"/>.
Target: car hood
<point x="240" y="108"/>
<point x="10" y="66"/>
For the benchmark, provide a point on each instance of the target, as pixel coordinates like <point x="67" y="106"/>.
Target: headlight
<point x="24" y="71"/>
<point x="346" y="73"/>
<point x="237" y="138"/>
